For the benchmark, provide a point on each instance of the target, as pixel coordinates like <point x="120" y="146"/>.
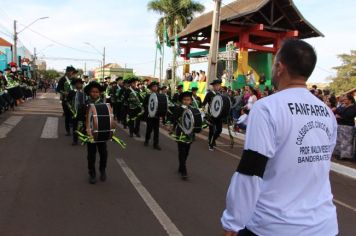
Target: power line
<point x="58" y="43"/>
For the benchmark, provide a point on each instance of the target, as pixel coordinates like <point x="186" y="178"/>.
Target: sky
<point x="126" y="29"/>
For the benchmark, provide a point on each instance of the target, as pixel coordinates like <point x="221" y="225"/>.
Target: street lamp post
<point x="14" y="50"/>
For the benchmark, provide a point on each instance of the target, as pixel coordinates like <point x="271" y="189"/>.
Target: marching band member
<point x="93" y="90"/>
<point x="64" y="86"/>
<point x="282" y="183"/>
<point x="215" y="124"/>
<point x="184" y="141"/>
<point x="122" y="98"/>
<point x="152" y="122"/>
<point x="117" y="99"/>
<point x="197" y="103"/>
<point x="135" y="107"/>
<point x="175" y="98"/>
<point x="76" y="101"/>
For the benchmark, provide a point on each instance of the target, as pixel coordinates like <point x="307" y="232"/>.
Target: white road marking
<point x="345" y="205"/>
<point x="50" y="129"/>
<point x="8" y="125"/>
<point x="158" y="212"/>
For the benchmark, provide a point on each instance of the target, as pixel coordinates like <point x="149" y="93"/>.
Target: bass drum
<point x="192" y="121"/>
<point x="16" y="92"/>
<point x="220" y="106"/>
<point x="157" y="105"/>
<point x="100" y="122"/>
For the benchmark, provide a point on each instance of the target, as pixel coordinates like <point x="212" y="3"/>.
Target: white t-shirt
<point x="282" y="184"/>
<point x="242" y="119"/>
<point x="251" y="101"/>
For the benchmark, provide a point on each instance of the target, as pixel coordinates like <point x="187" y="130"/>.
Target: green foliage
<point x="179" y="11"/>
<point x="346" y="74"/>
<point x="129" y="76"/>
<point x="48" y="74"/>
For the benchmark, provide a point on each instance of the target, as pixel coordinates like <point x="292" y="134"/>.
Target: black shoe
<point x="184" y="174"/>
<point x="138" y="135"/>
<point x="157" y="147"/>
<point x="211" y="148"/>
<point x="145" y="143"/>
<point x="92" y="179"/>
<point x="103" y="176"/>
<point x="131" y="135"/>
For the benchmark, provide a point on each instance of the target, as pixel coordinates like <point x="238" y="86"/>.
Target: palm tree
<point x="176" y="15"/>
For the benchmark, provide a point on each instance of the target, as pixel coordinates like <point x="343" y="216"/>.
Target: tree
<point x="346" y="74"/>
<point x="49" y="75"/>
<point x="176" y="15"/>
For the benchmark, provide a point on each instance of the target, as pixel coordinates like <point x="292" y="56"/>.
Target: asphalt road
<point x="44" y="188"/>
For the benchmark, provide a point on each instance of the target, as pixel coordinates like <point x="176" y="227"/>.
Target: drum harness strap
<point x="88" y="139"/>
<point x="140" y="113"/>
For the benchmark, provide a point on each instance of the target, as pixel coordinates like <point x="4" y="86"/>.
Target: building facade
<point x="112" y="70"/>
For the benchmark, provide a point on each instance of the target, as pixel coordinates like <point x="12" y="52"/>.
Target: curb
<point x="338" y="168"/>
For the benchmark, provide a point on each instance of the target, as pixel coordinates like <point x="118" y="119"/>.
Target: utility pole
<point x="103" y="62"/>
<point x="174" y="58"/>
<point x="34" y="64"/>
<point x="14" y="49"/>
<point x="85" y="68"/>
<point x="160" y="69"/>
<point x="214" y="43"/>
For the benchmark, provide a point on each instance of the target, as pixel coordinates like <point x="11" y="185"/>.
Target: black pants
<point x="123" y="115"/>
<point x="103" y="153"/>
<point x="214" y="131"/>
<point x="183" y="152"/>
<point x="152" y="125"/>
<point x="246" y="232"/>
<point x="67" y="116"/>
<point x="134" y="120"/>
<point x="75" y="128"/>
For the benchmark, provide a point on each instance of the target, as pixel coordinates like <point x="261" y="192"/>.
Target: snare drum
<point x="100" y="123"/>
<point x="192" y="121"/>
<point x="220" y="106"/>
<point x="157" y="105"/>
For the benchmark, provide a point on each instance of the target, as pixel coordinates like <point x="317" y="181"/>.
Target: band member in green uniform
<point x="197" y="103"/>
<point x="117" y="99"/>
<point x="64" y="86"/>
<point x="93" y="90"/>
<point x="76" y="103"/>
<point x="183" y="140"/>
<point x="215" y="124"/>
<point x="175" y="98"/>
<point x="135" y="107"/>
<point x="152" y="122"/>
<point x="122" y="97"/>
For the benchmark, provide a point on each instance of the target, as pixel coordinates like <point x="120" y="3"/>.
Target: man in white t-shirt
<point x="282" y="186"/>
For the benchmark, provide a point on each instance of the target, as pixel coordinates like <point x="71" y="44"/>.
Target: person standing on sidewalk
<point x="346" y="128"/>
<point x="282" y="185"/>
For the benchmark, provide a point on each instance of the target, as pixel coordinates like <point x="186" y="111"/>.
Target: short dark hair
<point x="298" y="56"/>
<point x="350" y="97"/>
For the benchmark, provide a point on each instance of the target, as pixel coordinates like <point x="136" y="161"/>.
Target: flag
<point x="165" y="36"/>
<point x="159" y="46"/>
<point x="176" y="44"/>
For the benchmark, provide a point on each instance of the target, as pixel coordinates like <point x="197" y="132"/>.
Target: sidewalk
<point x="346" y="169"/>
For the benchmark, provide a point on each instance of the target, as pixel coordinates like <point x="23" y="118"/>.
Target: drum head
<point x="187" y="122"/>
<point x="216" y="106"/>
<point x="152" y="105"/>
<point x="99" y="124"/>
